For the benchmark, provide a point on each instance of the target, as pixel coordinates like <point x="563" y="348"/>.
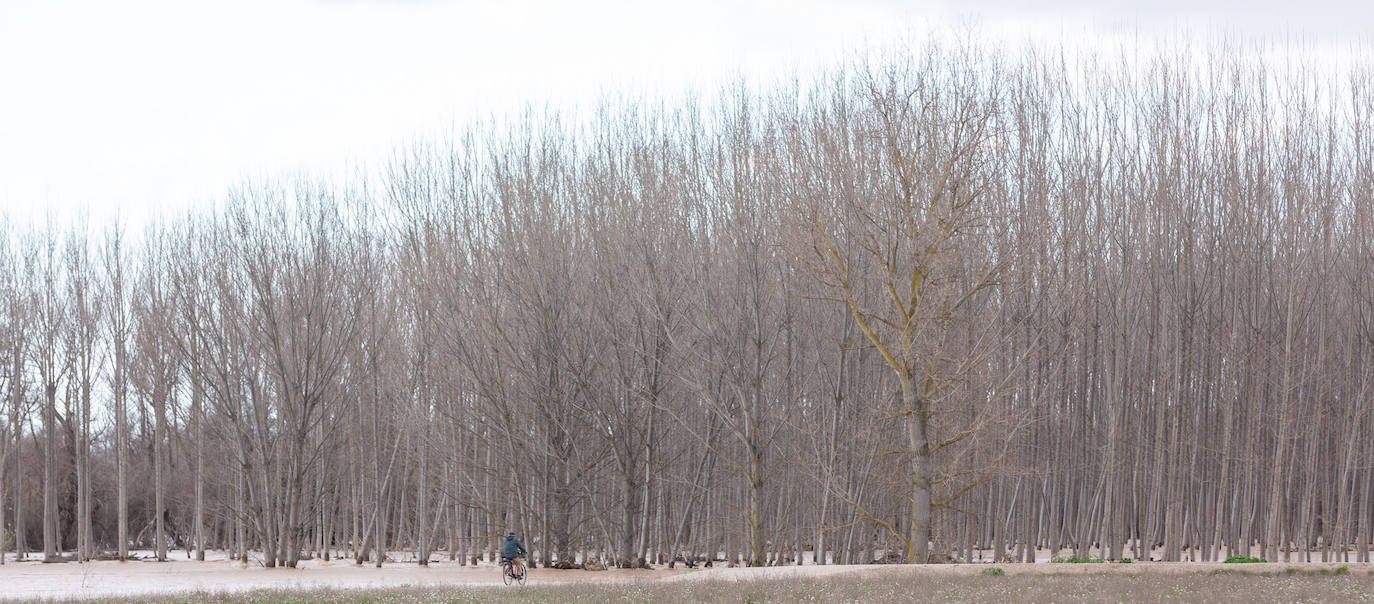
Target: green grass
<point x="1292" y="571"/>
<point x="1076" y="560"/>
<point x="1126" y="560"/>
<point x="993" y="572"/>
<point x="1242" y="560"/>
<point x="1234" y="571"/>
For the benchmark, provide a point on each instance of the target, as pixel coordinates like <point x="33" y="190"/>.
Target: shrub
<point x="1343" y="569"/>
<point x="993" y="572"/>
<point x="1242" y="560"/>
<point x="1126" y="560"/>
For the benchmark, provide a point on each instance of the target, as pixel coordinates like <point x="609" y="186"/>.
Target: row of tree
<point x="946" y="303"/>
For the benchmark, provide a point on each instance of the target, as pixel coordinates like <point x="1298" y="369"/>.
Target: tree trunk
<point x="50" y="536"/>
<point x="422" y="497"/>
<point x="916" y="425"/>
<point x="1280" y="473"/>
<point x="755" y="533"/>
<point x="83" y="473"/>
<point x="121" y="446"/>
<point x="240" y="517"/>
<point x="198" y="419"/>
<point x="159" y="483"/>
<point x="16" y="431"/>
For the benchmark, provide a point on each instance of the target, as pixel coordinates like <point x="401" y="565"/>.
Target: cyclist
<point x="513" y="552"/>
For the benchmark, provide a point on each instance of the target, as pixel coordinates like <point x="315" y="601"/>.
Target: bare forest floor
<point x="227" y="581"/>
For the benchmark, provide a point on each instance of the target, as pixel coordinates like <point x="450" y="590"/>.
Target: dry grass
<point x="866" y="587"/>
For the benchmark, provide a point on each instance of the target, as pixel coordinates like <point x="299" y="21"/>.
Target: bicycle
<point x="509" y="574"/>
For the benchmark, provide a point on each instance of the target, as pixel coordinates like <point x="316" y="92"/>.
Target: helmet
<point x="510" y="534"/>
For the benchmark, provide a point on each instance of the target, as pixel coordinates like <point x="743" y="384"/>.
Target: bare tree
<point x="295" y="255"/>
<point x="115" y="261"/>
<point x="905" y="258"/>
<point x="53" y="363"/>
<point x="83" y="341"/>
<point x="155" y="375"/>
<point x="955" y="302"/>
<point x="13" y="326"/>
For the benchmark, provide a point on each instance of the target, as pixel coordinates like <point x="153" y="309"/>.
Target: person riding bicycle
<point x="513" y="551"/>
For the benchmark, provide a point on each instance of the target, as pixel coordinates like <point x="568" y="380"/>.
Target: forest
<point x="943" y="302"/>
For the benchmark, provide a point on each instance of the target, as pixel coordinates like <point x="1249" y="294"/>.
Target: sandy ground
<point x="28" y="580"/>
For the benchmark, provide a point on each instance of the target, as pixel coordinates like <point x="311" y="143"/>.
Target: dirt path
<point x="104" y="579"/>
<point x="30" y="580"/>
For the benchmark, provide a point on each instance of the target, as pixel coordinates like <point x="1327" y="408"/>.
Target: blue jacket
<point x="513" y="547"/>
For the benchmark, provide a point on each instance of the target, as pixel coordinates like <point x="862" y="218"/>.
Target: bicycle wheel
<point x="521" y="576"/>
<point x="506" y="575"/>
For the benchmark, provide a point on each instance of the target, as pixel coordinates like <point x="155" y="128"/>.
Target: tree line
<point x="942" y="303"/>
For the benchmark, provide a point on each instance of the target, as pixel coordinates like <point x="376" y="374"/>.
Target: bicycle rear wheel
<point x="506" y="574"/>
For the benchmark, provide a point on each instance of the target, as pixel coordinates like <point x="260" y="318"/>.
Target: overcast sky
<point x="156" y="106"/>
